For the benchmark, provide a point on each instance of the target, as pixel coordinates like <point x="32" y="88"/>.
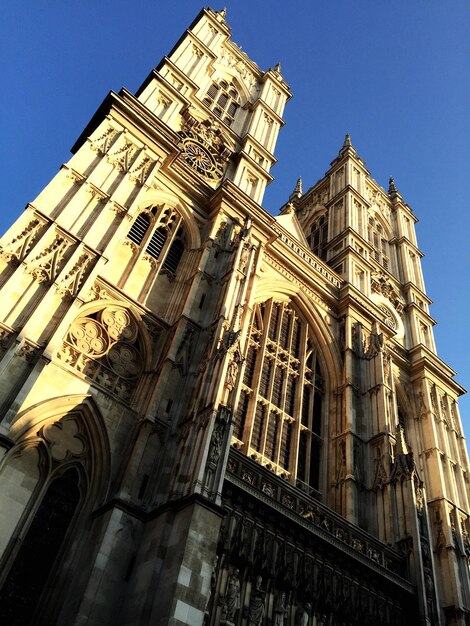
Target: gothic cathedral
<point x="210" y="415"/>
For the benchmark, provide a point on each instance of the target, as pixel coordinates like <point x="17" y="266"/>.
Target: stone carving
<point x="231" y="602"/>
<point x="216" y="442"/>
<point x="6" y="336"/>
<point x="381" y="284"/>
<point x="99" y="292"/>
<point x="438" y="532"/>
<point x="256" y="607"/>
<point x="105" y="347"/>
<point x="230" y="60"/>
<point x="205" y="147"/>
<point x="28" y="351"/>
<point x="102" y="143"/>
<point x="19" y="246"/>
<point x="380" y="473"/>
<point x="376" y="342"/>
<point x="63" y="439"/>
<point x="232" y="369"/>
<point x="268" y="489"/>
<point x="45" y="266"/>
<point x="302" y="614"/>
<point x="341" y="461"/>
<point x="141" y="170"/>
<point x="123" y="156"/>
<point x="280" y="609"/>
<point x="70" y="284"/>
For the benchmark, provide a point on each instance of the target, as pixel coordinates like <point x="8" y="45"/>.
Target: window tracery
<point x="106" y="347"/>
<point x="318" y="236"/>
<point x="279" y="417"/>
<point x="223" y="100"/>
<point x="378" y="239"/>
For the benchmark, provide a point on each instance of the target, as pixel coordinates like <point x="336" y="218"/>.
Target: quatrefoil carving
<point x="63" y="439"/>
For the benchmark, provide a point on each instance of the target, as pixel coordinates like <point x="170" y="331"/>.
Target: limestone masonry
<point x="210" y="415"/>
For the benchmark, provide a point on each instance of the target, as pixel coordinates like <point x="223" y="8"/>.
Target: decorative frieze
<point x="70" y="284"/>
<point x="45" y="266"/>
<point x="17" y="249"/>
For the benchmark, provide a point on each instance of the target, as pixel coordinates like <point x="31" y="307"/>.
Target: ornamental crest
<point x="204" y="147"/>
<point x="380" y="283"/>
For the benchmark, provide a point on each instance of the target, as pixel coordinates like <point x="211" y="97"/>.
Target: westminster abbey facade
<point x="210" y="415"/>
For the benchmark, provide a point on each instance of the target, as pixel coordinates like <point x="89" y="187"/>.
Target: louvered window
<point x="158" y="234"/>
<point x="139" y="228"/>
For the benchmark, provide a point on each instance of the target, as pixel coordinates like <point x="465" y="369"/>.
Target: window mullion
<point x="298" y="408"/>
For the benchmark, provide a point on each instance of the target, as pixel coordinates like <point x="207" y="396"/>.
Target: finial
<point x="223" y="13"/>
<point x="392" y="188"/>
<point x="298" y="187"/>
<point x="402" y="447"/>
<point x="297" y="193"/>
<point x="277" y="68"/>
<point x="347" y="146"/>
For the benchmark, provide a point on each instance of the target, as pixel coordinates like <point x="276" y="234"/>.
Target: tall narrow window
<point x="378" y="239"/>
<point x="158" y="233"/>
<point x="318" y="236"/>
<point x="279" y="416"/>
<point x="223" y="100"/>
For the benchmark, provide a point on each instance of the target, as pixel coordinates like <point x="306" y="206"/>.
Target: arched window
<point x="158" y="233"/>
<point x="379" y="242"/>
<point x="318" y="236"/>
<point x="279" y="416"/>
<point x="223" y="100"/>
<point x="27" y="578"/>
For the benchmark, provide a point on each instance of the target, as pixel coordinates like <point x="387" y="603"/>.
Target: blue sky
<point x="393" y="74"/>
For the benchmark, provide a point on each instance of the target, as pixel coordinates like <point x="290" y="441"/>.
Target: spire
<point x="277" y="68"/>
<point x="393" y="191"/>
<point x="347" y="147"/>
<point x="297" y="193"/>
<point x="223" y="13"/>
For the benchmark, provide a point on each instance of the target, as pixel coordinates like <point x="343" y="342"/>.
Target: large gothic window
<point x="279" y="416"/>
<point x="26" y="580"/>
<point x="158" y="233"/>
<point x="223" y="100"/>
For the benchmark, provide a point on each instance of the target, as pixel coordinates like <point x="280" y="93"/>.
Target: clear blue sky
<point x="393" y="74"/>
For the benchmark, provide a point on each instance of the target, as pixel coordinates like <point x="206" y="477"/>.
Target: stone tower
<point x="210" y="415"/>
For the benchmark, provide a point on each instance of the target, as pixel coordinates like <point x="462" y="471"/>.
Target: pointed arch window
<point x="21" y="592"/>
<point x="318" y="236"/>
<point x="158" y="233"/>
<point x="223" y="100"/>
<point x="378" y="239"/>
<point x="279" y="416"/>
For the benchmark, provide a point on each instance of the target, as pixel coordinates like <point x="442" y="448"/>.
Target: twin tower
<point x="210" y="415"/>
